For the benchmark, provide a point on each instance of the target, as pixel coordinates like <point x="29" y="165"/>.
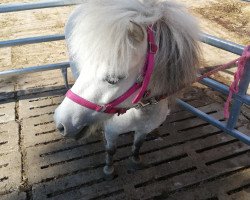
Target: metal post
<point x="236" y="107"/>
<point x="235" y="133"/>
<point x="65" y="77"/>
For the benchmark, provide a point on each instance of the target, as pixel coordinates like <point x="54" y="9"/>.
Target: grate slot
<point x="2" y="143"/>
<point x="59" y="192"/>
<point x="34" y="116"/>
<point x="166" y="161"/>
<point x="197" y="126"/>
<point x="163" y="178"/>
<point x="44" y="106"/>
<point x="227" y="157"/>
<point x="46" y="132"/>
<point x="49" y="142"/>
<point x="69" y="148"/>
<point x="216" y="146"/>
<point x="108" y="195"/>
<point x="43" y="98"/>
<point x="243" y="187"/>
<point x="4" y="178"/>
<point x="44" y="123"/>
<point x="4" y="165"/>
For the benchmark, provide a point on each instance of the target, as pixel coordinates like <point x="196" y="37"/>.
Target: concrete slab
<point x="39" y="130"/>
<point x="14" y="196"/>
<point x="10" y="171"/>
<point x="9" y="137"/>
<point x="35" y="107"/>
<point x="7" y="112"/>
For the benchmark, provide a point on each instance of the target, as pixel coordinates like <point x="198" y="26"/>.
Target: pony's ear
<point x="135" y="33"/>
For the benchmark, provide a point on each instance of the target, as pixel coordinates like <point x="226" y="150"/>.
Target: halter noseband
<point x="141" y="84"/>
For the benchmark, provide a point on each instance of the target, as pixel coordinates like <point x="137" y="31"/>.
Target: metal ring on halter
<point x="102" y="109"/>
<point x="139" y="79"/>
<point x="140" y="104"/>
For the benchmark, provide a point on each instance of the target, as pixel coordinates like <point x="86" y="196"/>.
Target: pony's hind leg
<point x="110" y="147"/>
<point x="135" y="160"/>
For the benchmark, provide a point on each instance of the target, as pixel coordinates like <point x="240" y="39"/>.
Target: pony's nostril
<point x="60" y="127"/>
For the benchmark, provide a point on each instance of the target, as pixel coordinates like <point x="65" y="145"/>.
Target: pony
<point x="128" y="58"/>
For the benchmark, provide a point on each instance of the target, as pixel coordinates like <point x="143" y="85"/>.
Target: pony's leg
<point x="110" y="147"/>
<point x="135" y="160"/>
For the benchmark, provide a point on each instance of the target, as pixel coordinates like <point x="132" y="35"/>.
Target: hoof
<point x="109" y="173"/>
<point x="134" y="165"/>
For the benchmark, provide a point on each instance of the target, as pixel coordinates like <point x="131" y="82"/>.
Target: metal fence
<point x="239" y="99"/>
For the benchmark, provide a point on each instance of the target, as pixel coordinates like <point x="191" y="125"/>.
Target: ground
<point x="192" y="160"/>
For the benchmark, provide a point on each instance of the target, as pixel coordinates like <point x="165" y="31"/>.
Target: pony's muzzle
<point x="76" y="135"/>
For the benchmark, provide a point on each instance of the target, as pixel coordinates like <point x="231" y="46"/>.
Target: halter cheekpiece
<point x="141" y="84"/>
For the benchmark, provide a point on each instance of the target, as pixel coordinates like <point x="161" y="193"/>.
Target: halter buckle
<point x="140" y="104"/>
<point x="152" y="48"/>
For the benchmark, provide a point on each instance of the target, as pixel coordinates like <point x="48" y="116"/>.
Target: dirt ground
<point x="228" y="19"/>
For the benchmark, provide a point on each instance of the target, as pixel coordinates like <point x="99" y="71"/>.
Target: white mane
<point x="100" y="33"/>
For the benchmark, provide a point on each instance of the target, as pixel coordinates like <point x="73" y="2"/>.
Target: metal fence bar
<point x="244" y="138"/>
<point x="222" y="44"/>
<point x="224" y="89"/>
<point x="36" y="5"/>
<point x="31" y="40"/>
<point x="34" y="69"/>
<point x="206" y="38"/>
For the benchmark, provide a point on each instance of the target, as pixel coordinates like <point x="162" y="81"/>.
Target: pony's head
<point x="108" y="44"/>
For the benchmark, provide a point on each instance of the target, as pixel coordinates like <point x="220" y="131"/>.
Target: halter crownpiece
<point x="141" y="84"/>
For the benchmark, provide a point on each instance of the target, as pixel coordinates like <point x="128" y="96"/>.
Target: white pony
<point x="108" y="43"/>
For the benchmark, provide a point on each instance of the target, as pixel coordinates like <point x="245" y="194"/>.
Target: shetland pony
<point x="108" y="44"/>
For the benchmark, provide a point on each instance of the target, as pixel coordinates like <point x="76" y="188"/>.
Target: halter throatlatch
<point x="141" y="84"/>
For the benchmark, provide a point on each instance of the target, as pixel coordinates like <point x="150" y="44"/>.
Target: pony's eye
<point x="113" y="79"/>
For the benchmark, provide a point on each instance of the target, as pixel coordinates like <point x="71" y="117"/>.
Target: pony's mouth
<point x="84" y="132"/>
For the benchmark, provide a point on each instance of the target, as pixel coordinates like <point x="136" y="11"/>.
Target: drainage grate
<point x="193" y="160"/>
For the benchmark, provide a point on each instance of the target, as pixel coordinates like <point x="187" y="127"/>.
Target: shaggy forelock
<point x="103" y="26"/>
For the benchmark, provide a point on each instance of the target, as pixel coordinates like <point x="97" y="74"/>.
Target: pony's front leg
<point x="135" y="160"/>
<point x="110" y="147"/>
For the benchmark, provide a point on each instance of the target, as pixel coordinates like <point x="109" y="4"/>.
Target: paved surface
<point x="193" y="160"/>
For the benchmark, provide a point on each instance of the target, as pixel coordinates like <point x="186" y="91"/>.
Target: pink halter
<point x="141" y="84"/>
